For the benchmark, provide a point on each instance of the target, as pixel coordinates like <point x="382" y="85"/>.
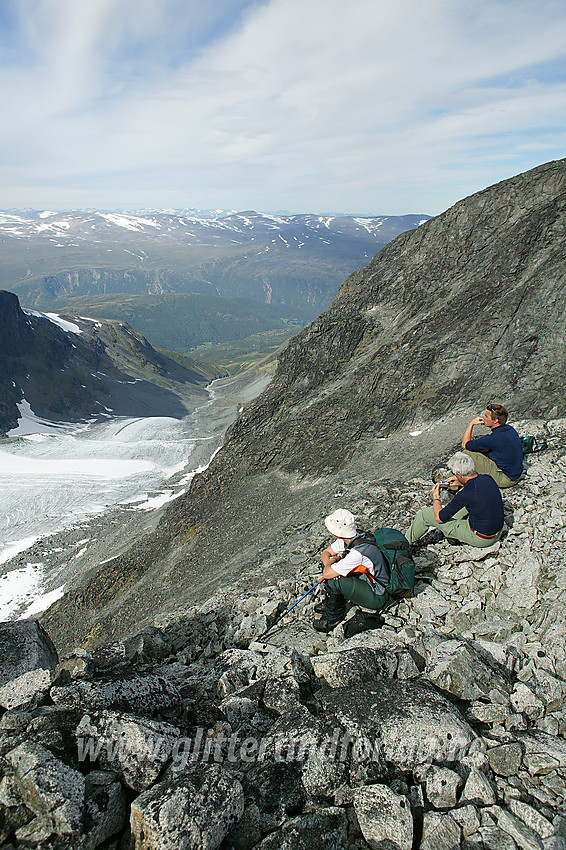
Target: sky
<point x="355" y="106"/>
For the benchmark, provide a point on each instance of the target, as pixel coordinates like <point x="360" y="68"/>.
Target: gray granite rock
<point x="525" y="837"/>
<point x="277" y="790"/>
<point x="524" y="700"/>
<point x="339" y="669"/>
<point x="136" y="748"/>
<point x="27" y="659"/>
<point x="440" y="832"/>
<point x="409" y="719"/>
<point x="468" y="818"/>
<point x="478" y="789"/>
<point x="325" y="829"/>
<point x="143" y="694"/>
<point x="24" y="646"/>
<point x="529" y="815"/>
<point x="505" y="760"/>
<point x="195" y="811"/>
<point x="282" y="694"/>
<point x="105" y="808"/>
<point x="322" y="774"/>
<point x="384" y="817"/>
<point x="27" y="690"/>
<point x="458" y="668"/>
<point x="49" y="787"/>
<point x="543" y="752"/>
<point x="442" y="786"/>
<point x="494" y="838"/>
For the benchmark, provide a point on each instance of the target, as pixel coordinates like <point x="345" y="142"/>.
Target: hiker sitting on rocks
<point x="473" y="516"/>
<point x="355" y="570"/>
<point x="499" y="454"/>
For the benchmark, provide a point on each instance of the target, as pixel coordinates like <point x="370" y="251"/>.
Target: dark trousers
<point x="354" y="589"/>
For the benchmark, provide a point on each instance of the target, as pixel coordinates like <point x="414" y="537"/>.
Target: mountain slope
<point x="75" y="369"/>
<point x="470" y="307"/>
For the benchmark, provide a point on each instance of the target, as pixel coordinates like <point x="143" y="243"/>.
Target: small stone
<point x="442" y="787"/>
<point x="440" y="832"/>
<point x="478" y="789"/>
<point x="384" y="817"/>
<point x="505" y="760"/>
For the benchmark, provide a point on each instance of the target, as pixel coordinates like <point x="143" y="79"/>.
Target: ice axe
<point x="280" y="617"/>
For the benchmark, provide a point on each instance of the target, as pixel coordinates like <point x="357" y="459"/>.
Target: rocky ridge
<point x="443" y="729"/>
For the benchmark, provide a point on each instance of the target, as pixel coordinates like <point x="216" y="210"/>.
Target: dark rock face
<point x="468" y="307"/>
<point x="69" y="376"/>
<point x="24" y="646"/>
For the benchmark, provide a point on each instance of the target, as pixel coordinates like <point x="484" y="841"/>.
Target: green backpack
<point x="397" y="551"/>
<point x="531" y="445"/>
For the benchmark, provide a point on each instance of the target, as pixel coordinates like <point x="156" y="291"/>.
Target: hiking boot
<point x="362" y="622"/>
<point x="320" y="607"/>
<point x="327" y="624"/>
<point x="454" y="542"/>
<point x="430" y="538"/>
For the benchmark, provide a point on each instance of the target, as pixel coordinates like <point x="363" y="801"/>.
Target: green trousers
<point x="485" y="466"/>
<point x="458" y="527"/>
<point x="356" y="590"/>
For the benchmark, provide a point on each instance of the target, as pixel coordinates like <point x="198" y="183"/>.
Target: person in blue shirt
<point x="473" y="516"/>
<point x="499" y="454"/>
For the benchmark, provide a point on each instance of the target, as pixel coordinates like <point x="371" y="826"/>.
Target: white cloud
<point x="362" y="105"/>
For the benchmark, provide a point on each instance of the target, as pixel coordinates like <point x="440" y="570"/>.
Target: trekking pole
<point x="280" y="617"/>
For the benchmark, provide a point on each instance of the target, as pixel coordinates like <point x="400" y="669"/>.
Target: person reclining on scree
<point x="473" y="516"/>
<point x="359" y="575"/>
<point x="499" y="454"/>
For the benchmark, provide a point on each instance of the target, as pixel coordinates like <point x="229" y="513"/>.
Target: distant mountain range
<point x="293" y="261"/>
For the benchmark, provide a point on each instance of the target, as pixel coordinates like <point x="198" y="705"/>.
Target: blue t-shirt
<point x="482" y="497"/>
<point x="504" y="448"/>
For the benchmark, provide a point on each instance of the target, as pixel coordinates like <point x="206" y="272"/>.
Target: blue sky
<point x="357" y="106"/>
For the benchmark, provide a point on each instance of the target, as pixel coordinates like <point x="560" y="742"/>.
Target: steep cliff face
<point x="15" y="337"/>
<point x="468" y="308"/>
<point x="75" y="370"/>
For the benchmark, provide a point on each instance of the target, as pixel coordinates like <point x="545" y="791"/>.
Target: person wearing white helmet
<point x="354" y="570"/>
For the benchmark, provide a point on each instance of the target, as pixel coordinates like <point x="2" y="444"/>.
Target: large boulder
<point x="52" y="790"/>
<point x="339" y="669"/>
<point x="194" y="811"/>
<point x="460" y="669"/>
<point x="407" y="719"/>
<point x="136" y="748"/>
<point x="28" y="658"/>
<point x="143" y="694"/>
